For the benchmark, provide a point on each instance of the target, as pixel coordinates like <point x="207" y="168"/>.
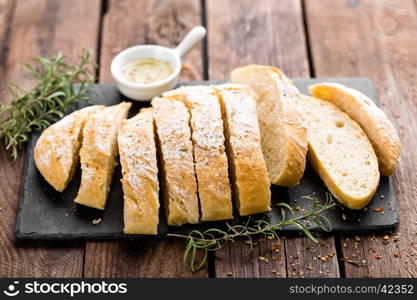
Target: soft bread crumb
<point x="348" y="164"/>
<point x="379" y="129"/>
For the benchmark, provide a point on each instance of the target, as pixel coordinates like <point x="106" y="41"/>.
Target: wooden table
<point x="310" y="38"/>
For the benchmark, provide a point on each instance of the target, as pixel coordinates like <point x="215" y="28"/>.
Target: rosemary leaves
<point x="213" y="239"/>
<point x="45" y="103"/>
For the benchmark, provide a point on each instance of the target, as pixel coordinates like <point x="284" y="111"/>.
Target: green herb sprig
<point x="46" y="102"/>
<point x="214" y="239"/>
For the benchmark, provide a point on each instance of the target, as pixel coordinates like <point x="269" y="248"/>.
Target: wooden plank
<point x="129" y="23"/>
<point x="306" y="258"/>
<point x="38" y="27"/>
<point x="265" y="34"/>
<point x="6" y="9"/>
<point x="376" y="39"/>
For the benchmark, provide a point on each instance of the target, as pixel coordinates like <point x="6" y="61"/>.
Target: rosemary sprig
<point x="213" y="239"/>
<point x="46" y="102"/>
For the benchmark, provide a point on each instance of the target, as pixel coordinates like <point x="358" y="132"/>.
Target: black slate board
<point x="46" y="214"/>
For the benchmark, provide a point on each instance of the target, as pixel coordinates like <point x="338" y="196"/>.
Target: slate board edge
<point x="18" y="233"/>
<point x="121" y="236"/>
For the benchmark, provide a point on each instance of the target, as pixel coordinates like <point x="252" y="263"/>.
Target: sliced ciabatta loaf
<point x="137" y="151"/>
<point x="209" y="152"/>
<point x="57" y="149"/>
<point x="249" y="175"/>
<point x="340" y="153"/>
<point x="374" y="122"/>
<point x="98" y="154"/>
<point x="283" y="134"/>
<point x="179" y="185"/>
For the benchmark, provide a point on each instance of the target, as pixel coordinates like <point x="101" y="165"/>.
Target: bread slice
<point x="98" y="155"/>
<point x="137" y="150"/>
<point x="379" y="129"/>
<point x="249" y="175"/>
<point x="57" y="149"/>
<point x="283" y="134"/>
<point x="209" y="153"/>
<point x="340" y="153"/>
<point x="179" y="185"/>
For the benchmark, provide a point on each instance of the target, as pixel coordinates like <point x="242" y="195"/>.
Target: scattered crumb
<point x="385" y="240"/>
<point x="353" y="262"/>
<point x="377" y="256"/>
<point x="344" y="217"/>
<point x="263" y="259"/>
<point x="325" y="258"/>
<point x="96" y="221"/>
<point x="378" y="209"/>
<point x="230" y="274"/>
<point x="116" y="49"/>
<point x="187" y="67"/>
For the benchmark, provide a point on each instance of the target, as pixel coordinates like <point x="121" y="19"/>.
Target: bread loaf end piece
<point x="57" y="149"/>
<point x="98" y="155"/>
<point x="340" y="153"/>
<point x="379" y="129"/>
<point x="179" y="185"/>
<point x="209" y="152"/>
<point x="249" y="175"/>
<point x="136" y="141"/>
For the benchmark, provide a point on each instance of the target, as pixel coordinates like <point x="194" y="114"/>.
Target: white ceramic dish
<point x="145" y="92"/>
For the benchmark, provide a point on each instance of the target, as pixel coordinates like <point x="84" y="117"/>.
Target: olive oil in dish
<point x="147" y="71"/>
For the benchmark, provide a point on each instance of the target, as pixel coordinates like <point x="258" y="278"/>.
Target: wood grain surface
<point x="125" y="24"/>
<point x="322" y="38"/>
<point x="256" y="38"/>
<point x="37" y="27"/>
<point x="6" y="14"/>
<point x="377" y="39"/>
